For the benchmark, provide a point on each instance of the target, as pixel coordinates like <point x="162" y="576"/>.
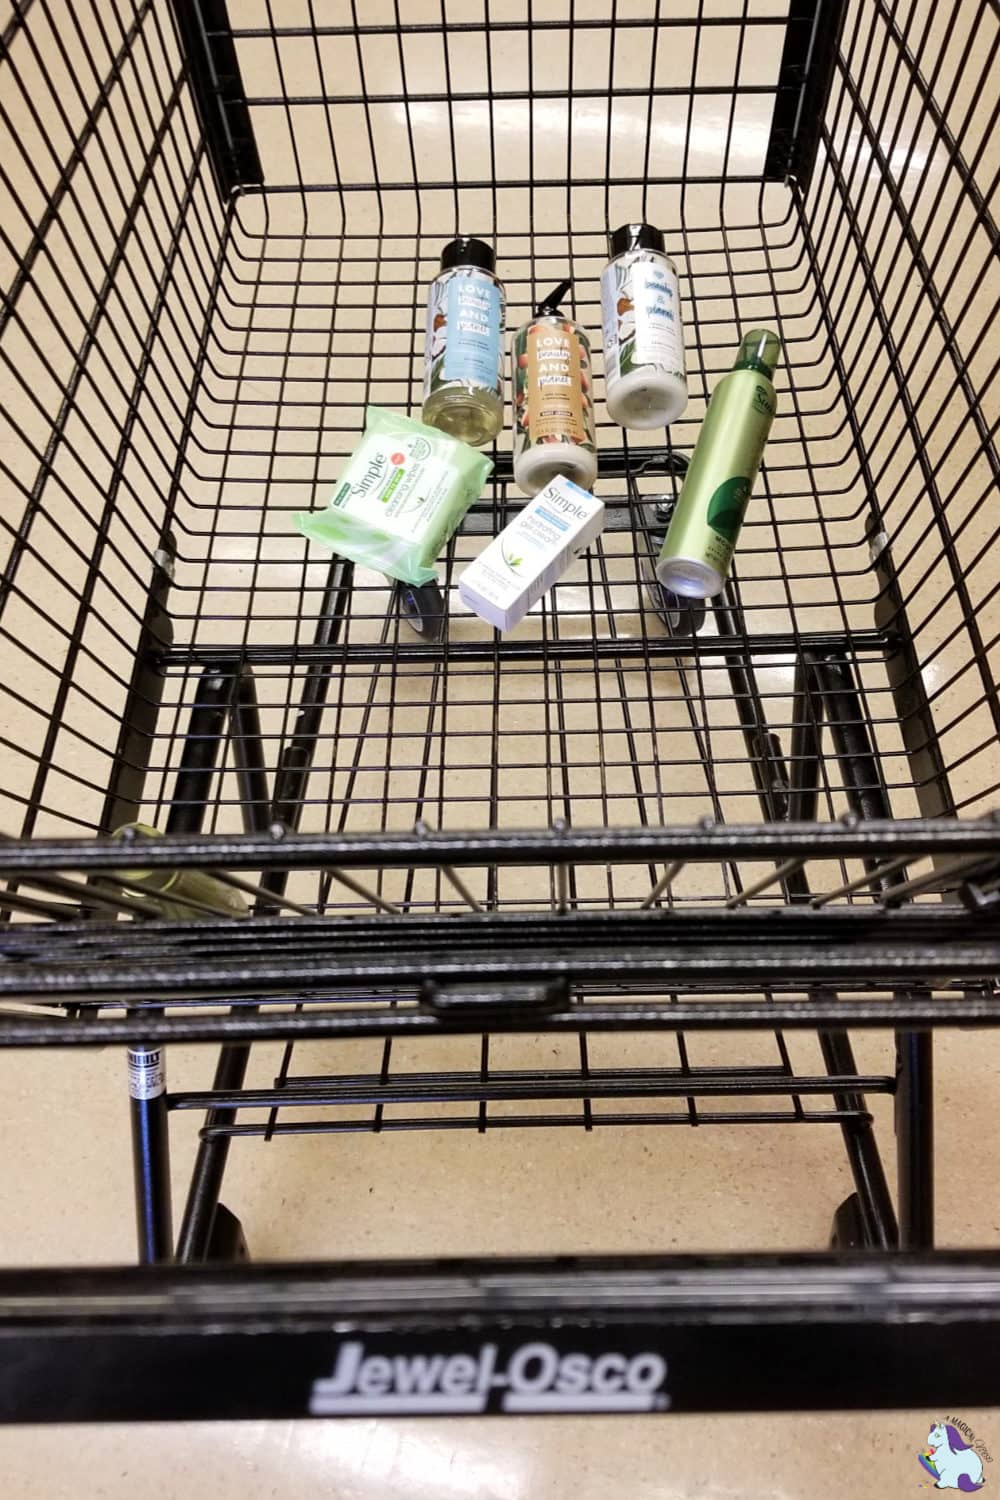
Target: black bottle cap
<point x="549" y="306"/>
<point x="636" y="237"/>
<point x="467" y="252"/>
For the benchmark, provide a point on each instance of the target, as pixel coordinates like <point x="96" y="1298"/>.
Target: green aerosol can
<point x="701" y="538"/>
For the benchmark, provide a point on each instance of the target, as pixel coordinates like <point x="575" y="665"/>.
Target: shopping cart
<point x="629" y="817"/>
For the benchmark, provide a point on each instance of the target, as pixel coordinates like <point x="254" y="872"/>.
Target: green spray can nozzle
<point x="760" y="350"/>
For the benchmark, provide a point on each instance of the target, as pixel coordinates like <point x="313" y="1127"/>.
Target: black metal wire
<point x="178" y="364"/>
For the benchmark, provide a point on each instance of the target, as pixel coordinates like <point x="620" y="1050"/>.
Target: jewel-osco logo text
<point x="534" y="1377"/>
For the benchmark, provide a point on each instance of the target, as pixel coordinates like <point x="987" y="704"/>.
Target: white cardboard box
<point x="524" y="561"/>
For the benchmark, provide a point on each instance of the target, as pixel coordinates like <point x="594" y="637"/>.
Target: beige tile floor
<point x="65" y="1194"/>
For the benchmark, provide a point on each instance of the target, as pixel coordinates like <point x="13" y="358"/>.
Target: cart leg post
<point x="145" y="694"/>
<point x="210" y="1162"/>
<point x="248" y="754"/>
<point x="764" y="751"/>
<point x="914" y="1050"/>
<point x="147" y="1095"/>
<point x="150" y="1154"/>
<point x="806" y="747"/>
<point x="146" y="1064"/>
<point x="794" y="793"/>
<point x="915" y="1138"/>
<point x="293" y="771"/>
<point x="875" y="1209"/>
<point x="201" y="749"/>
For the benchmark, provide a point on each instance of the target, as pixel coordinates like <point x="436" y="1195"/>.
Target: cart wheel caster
<point x="422" y="607"/>
<point x="682" y="617"/>
<point x="848" y="1231"/>
<point x="227" y="1240"/>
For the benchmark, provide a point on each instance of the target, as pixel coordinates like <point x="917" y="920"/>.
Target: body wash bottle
<point x="701" y="538"/>
<point x="553" y="399"/>
<point x="463" y="356"/>
<point x="645" y="384"/>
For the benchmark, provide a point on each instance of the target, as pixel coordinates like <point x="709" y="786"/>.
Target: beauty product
<point x="553" y="399"/>
<point x="529" y="555"/>
<point x="179" y="894"/>
<point x="403" y="493"/>
<point x="463" y="355"/>
<point x="645" y="384"/>
<point x="700" y="540"/>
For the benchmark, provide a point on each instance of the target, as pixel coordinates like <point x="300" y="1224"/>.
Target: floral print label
<point x="640" y="307"/>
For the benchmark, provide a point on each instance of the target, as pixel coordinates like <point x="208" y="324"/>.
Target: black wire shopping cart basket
<point x="771" y="816"/>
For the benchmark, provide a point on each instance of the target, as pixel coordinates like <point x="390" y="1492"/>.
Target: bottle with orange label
<point x="554" y="429"/>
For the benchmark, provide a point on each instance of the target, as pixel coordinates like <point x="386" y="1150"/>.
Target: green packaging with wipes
<point x="404" y="492"/>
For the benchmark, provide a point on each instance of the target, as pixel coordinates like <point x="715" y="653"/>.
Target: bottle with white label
<point x="645" y="381"/>
<point x="463" y="355"/>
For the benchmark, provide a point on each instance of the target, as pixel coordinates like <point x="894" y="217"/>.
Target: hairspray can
<point x="183" y="894"/>
<point x="701" y="538"/>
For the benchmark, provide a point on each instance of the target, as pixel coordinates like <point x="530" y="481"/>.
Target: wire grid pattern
<point x="213" y="366"/>
<point x="112" y="229"/>
<point x="908" y="148"/>
<point x="586" y="713"/>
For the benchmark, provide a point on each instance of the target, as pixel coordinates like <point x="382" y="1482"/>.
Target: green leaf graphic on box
<point x="625" y="354"/>
<point x="512" y="562"/>
<point x="726" y="507"/>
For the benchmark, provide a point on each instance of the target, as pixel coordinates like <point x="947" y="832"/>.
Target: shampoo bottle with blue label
<point x="463" y="357"/>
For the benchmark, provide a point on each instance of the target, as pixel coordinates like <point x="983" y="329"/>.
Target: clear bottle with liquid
<point x="463" y="355"/>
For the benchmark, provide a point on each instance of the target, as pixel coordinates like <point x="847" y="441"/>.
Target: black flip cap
<point x="549" y="306"/>
<point x="467" y="252"/>
<point x="636" y="237"/>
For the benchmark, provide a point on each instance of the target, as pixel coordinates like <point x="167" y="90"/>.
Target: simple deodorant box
<point x="529" y="555"/>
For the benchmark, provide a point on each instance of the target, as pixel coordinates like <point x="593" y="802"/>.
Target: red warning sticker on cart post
<point x="147" y="1074"/>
